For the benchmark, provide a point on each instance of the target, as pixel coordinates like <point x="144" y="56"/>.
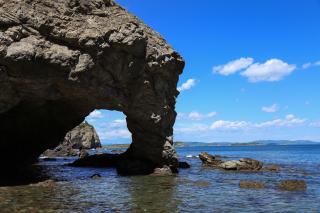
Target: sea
<point x="198" y="189"/>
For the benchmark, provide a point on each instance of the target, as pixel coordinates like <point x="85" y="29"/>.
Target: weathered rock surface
<point x="293" y="185"/>
<point x="60" y="60"/>
<point x="81" y="137"/>
<point x="244" y="164"/>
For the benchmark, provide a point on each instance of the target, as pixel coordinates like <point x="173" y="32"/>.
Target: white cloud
<point x="118" y="123"/>
<point x="195" y="116"/>
<point x="289" y="121"/>
<point x="194" y="128"/>
<point x="306" y="65"/>
<point x="187" y="85"/>
<point x="229" y="125"/>
<point x="95" y="114"/>
<point x="270" y="109"/>
<point x="117" y="133"/>
<point x="309" y="64"/>
<point x="198" y="116"/>
<point x="271" y="70"/>
<point x="315" y="124"/>
<point x="233" y="66"/>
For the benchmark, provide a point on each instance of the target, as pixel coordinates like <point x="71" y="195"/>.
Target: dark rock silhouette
<point x="60" y="60"/>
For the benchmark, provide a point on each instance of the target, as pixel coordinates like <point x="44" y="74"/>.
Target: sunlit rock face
<point x="60" y="60"/>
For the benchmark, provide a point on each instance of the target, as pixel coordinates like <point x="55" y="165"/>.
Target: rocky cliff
<point x="60" y="60"/>
<point x="83" y="136"/>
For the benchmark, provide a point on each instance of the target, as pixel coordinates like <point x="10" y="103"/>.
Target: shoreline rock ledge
<point x="60" y="60"/>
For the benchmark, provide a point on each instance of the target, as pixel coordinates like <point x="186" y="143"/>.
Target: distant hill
<point x="253" y="143"/>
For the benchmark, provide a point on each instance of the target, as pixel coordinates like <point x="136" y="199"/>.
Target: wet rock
<point x="244" y="164"/>
<point x="251" y="185"/>
<point x="98" y="161"/>
<point x="293" y="185"/>
<point x="184" y="165"/>
<point x="95" y="176"/>
<point x="248" y="164"/>
<point x="164" y="171"/>
<point x="46" y="184"/>
<point x="49" y="159"/>
<point x="61" y="60"/>
<point x="83" y="153"/>
<point x="127" y="166"/>
<point x="208" y="159"/>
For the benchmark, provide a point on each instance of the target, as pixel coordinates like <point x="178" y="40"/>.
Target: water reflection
<point x="153" y="194"/>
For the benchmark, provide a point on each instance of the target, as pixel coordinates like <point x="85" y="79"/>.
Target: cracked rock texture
<point x="60" y="60"/>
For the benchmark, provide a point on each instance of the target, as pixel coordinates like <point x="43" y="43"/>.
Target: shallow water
<point x="197" y="189"/>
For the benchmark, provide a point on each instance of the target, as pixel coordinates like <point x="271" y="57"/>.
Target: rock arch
<point x="60" y="60"/>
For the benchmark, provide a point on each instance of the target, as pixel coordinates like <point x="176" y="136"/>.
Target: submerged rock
<point x="251" y="185"/>
<point x="46" y="184"/>
<point x="293" y="185"/>
<point x="95" y="176"/>
<point x="244" y="164"/>
<point x="271" y="168"/>
<point x="61" y="60"/>
<point x="82" y="137"/>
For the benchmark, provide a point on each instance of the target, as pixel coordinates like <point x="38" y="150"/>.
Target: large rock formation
<point x="60" y="60"/>
<point x="83" y="136"/>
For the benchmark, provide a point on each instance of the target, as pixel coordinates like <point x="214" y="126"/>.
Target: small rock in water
<point x="96" y="176"/>
<point x="251" y="185"/>
<point x="244" y="164"/>
<point x="293" y="185"/>
<point x="47" y="184"/>
<point x="164" y="171"/>
<point x="208" y="159"/>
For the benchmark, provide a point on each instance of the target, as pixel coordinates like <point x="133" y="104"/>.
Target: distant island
<point x="252" y="143"/>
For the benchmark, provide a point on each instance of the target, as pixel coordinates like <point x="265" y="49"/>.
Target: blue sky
<point x="252" y="69"/>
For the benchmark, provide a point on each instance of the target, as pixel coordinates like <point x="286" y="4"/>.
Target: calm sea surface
<point x="197" y="189"/>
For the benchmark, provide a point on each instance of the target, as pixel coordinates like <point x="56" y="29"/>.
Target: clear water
<point x="197" y="189"/>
